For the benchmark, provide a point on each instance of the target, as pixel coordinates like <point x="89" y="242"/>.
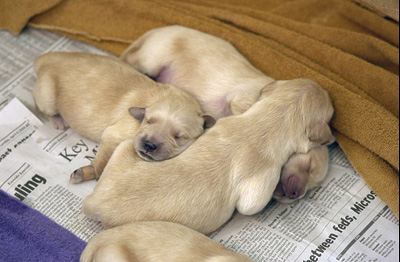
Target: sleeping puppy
<point x="303" y="172"/>
<point x="234" y="165"/>
<point x="219" y="77"/>
<point x="105" y="100"/>
<point x="156" y="242"/>
<point x="210" y="68"/>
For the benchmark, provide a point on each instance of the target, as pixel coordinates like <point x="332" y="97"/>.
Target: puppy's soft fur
<point x="106" y="100"/>
<point x="211" y="69"/>
<point x="236" y="164"/>
<point x="156" y="242"/>
<point x="302" y="173"/>
<point x="221" y="79"/>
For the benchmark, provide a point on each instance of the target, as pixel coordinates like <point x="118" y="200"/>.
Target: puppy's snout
<point x="292" y="187"/>
<point x="149" y="146"/>
<point x="294" y="195"/>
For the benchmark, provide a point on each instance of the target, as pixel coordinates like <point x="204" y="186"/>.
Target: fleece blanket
<point x="388" y="8"/>
<point x="28" y="236"/>
<point x="350" y="50"/>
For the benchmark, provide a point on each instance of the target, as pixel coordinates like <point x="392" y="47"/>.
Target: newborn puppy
<point x="235" y="165"/>
<point x="107" y="101"/>
<point x="217" y="75"/>
<point x="301" y="173"/>
<point x="210" y="68"/>
<point x="156" y="242"/>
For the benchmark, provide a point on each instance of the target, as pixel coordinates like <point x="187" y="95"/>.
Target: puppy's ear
<point x="321" y="133"/>
<point x="209" y="121"/>
<point x="138" y="113"/>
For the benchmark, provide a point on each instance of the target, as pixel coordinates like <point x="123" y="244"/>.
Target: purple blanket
<point x="27" y="235"/>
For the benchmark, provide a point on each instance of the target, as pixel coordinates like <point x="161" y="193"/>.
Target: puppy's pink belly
<point x="165" y="76"/>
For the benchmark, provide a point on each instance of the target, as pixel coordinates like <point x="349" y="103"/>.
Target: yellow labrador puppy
<point x="303" y="172"/>
<point x="106" y="100"/>
<point x="210" y="68"/>
<point x="235" y="165"/>
<point x="156" y="242"/>
<point x="223" y="81"/>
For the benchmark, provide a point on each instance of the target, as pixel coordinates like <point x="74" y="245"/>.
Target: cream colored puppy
<point x="223" y="81"/>
<point x="156" y="242"/>
<point x="105" y="100"/>
<point x="303" y="172"/>
<point x="235" y="165"/>
<point x="210" y="68"/>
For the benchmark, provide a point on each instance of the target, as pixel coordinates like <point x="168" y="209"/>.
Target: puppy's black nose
<point x="149" y="146"/>
<point x="294" y="195"/>
<point x="292" y="187"/>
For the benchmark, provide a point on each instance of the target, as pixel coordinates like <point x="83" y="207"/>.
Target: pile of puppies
<point x="263" y="138"/>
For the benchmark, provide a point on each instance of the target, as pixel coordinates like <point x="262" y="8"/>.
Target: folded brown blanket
<point x="352" y="52"/>
<point x="387" y="8"/>
<point x="14" y="15"/>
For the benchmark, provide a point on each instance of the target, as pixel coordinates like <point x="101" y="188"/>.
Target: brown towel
<point x="14" y="15"/>
<point x="352" y="52"/>
<point x="389" y="8"/>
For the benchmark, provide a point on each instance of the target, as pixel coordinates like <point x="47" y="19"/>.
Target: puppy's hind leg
<point x="58" y="122"/>
<point x="44" y="94"/>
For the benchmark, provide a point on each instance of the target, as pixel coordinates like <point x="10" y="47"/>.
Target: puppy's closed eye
<point x="178" y="135"/>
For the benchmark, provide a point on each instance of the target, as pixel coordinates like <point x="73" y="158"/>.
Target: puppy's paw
<point x="59" y="122"/>
<point x="76" y="176"/>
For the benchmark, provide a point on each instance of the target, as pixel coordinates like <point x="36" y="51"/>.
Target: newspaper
<point x="342" y="220"/>
<point x="36" y="160"/>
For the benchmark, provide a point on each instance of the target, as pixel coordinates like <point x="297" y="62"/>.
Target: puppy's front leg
<point x="82" y="174"/>
<point x="255" y="192"/>
<point x="95" y="170"/>
<point x="111" y="138"/>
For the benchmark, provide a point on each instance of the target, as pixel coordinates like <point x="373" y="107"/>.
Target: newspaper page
<point x="36" y="160"/>
<point x="342" y="220"/>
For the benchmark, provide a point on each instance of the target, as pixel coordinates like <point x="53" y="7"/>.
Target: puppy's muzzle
<point x="150" y="150"/>
<point x="292" y="188"/>
<point x="149" y="146"/>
